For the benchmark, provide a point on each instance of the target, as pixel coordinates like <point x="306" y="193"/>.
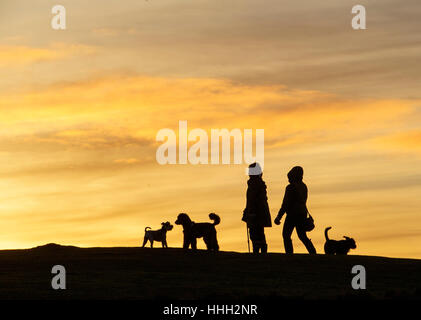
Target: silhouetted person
<point x="294" y="205"/>
<point x="257" y="214"/>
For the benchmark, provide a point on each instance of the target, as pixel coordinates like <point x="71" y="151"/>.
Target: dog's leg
<point x="194" y="243"/>
<point x="216" y="247"/>
<point x="214" y="243"/>
<point x="186" y="242"/>
<point x="208" y="242"/>
<point x="145" y="239"/>
<point x="151" y="240"/>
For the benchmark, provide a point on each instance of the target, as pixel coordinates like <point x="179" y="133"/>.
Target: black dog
<point x="193" y="230"/>
<point x="338" y="246"/>
<point x="157" y="235"/>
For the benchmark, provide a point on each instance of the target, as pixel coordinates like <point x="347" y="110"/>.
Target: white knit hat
<point x="255" y="169"/>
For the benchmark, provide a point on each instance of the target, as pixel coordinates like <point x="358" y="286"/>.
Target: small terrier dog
<point x="193" y="230"/>
<point x="157" y="235"/>
<point x="338" y="247"/>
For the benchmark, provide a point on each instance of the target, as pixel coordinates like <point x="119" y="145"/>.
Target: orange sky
<point x="80" y="110"/>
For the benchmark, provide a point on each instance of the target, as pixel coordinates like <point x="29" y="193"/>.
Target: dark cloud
<point x="309" y="46"/>
<point x="83" y="140"/>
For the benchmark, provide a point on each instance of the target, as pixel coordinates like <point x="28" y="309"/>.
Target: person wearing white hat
<point x="257" y="214"/>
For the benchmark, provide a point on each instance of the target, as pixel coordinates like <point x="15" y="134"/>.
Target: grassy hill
<point x="136" y="273"/>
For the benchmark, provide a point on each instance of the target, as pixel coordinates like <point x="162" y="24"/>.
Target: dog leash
<point x="248" y="237"/>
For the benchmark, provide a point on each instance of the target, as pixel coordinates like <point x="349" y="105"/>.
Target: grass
<point x="144" y="273"/>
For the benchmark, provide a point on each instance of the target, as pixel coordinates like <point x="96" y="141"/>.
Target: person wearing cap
<point x="294" y="205"/>
<point x="257" y="214"/>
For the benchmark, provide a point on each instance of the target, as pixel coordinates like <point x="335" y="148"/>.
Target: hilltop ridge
<point x="145" y="273"/>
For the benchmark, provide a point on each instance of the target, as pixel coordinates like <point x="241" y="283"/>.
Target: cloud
<point x="275" y="43"/>
<point x="105" y="32"/>
<point x="371" y="183"/>
<point x="127" y="161"/>
<point x="74" y="140"/>
<point x="121" y="110"/>
<point x="278" y="43"/>
<point x="20" y="55"/>
<point x="398" y="142"/>
<point x="114" y="32"/>
<point x="409" y="141"/>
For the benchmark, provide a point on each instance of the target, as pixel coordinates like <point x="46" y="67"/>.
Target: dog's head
<point x="167" y="226"/>
<point x="183" y="219"/>
<point x="351" y="242"/>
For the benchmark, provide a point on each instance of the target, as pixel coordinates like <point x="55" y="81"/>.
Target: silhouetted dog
<point x="193" y="230"/>
<point x="157" y="235"/>
<point x="338" y="246"/>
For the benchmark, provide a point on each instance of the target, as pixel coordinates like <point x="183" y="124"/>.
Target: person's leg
<point x="302" y="235"/>
<point x="286" y="234"/>
<point x="254" y="237"/>
<point x="257" y="236"/>
<point x="261" y="239"/>
<point x="264" y="248"/>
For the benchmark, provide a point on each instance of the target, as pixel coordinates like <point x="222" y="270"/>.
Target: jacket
<point x="294" y="202"/>
<point x="257" y="211"/>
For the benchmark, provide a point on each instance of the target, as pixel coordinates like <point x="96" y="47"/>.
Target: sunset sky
<point x="81" y="107"/>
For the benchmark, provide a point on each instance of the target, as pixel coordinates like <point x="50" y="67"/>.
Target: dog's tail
<point x="216" y="219"/>
<point x="146" y="229"/>
<point x="326" y="230"/>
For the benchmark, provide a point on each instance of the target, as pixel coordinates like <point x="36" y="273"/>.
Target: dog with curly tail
<point x="338" y="247"/>
<point x="193" y="230"/>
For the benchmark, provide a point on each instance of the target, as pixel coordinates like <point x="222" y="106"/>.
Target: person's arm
<point x="284" y="206"/>
<point x="250" y="204"/>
